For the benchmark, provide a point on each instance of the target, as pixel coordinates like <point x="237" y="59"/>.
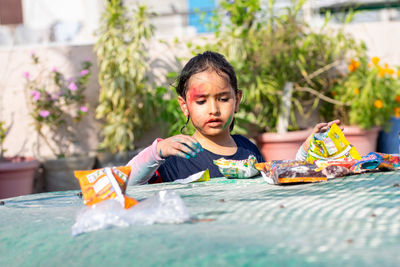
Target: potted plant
<point x="285" y="69"/>
<point x="370" y="93"/>
<point x="126" y="108"/>
<point x="16" y="173"/>
<point x="57" y="106"/>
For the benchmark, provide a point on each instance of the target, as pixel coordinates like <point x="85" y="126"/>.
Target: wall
<point x="381" y="38"/>
<point x="22" y="138"/>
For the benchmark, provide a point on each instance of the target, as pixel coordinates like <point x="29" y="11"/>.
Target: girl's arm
<point x="148" y="160"/>
<point x="144" y="164"/>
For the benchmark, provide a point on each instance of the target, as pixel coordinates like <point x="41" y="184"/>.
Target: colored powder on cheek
<point x="228" y="122"/>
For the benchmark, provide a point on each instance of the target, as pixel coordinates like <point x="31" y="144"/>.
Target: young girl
<point x="209" y="97"/>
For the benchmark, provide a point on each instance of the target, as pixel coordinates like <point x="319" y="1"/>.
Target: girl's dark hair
<point x="206" y="61"/>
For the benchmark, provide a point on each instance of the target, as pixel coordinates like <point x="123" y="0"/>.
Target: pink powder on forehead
<point x="195" y="91"/>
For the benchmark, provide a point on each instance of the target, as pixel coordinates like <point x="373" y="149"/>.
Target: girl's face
<point x="210" y="102"/>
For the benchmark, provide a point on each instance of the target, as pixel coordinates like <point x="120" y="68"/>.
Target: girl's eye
<point x="200" y="102"/>
<point x="224" y="99"/>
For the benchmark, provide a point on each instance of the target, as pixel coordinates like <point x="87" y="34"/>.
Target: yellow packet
<point x="331" y="145"/>
<point x="202" y="176"/>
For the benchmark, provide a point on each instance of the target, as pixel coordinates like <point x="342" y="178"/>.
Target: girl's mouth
<point x="214" y="122"/>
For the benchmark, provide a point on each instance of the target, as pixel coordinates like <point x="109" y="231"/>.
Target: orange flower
<point x="397" y="98"/>
<point x="375" y="60"/>
<point x="356" y="91"/>
<point x="353" y="65"/>
<point x="378" y="104"/>
<point x="397" y="112"/>
<point x="351" y="68"/>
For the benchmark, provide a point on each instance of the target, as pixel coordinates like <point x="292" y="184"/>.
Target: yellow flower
<point x="381" y="72"/>
<point x="356" y="91"/>
<point x="397" y="112"/>
<point x="397" y="98"/>
<point x="375" y="60"/>
<point x="389" y="71"/>
<point x="398" y="73"/>
<point x="378" y="104"/>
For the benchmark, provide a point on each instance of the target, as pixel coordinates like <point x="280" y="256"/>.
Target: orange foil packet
<point x="106" y="183"/>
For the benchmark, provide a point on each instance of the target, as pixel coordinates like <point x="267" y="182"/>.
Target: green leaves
<point x="268" y="50"/>
<point x="371" y="92"/>
<point x="125" y="105"/>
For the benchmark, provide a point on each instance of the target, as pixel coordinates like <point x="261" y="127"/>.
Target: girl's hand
<point x="319" y="128"/>
<point x="179" y="145"/>
<point x="324" y="126"/>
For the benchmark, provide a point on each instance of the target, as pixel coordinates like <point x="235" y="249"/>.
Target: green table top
<point x="347" y="221"/>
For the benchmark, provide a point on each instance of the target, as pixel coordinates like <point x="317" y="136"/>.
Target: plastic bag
<point x="163" y="207"/>
<point x="239" y="169"/>
<point x="331" y="145"/>
<point x="106" y="183"/>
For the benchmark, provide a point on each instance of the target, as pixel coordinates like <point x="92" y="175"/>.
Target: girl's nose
<point x="214" y="107"/>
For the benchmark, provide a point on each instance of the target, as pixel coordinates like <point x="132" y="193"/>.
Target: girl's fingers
<point x="190" y="142"/>
<point x="323" y="127"/>
<point x="318" y="128"/>
<point x="186" y="146"/>
<point x="332" y="122"/>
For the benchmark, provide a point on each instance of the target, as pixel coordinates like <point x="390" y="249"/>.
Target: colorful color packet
<point x="107" y="183"/>
<point x="345" y="162"/>
<point x="375" y="160"/>
<point x="237" y="169"/>
<point x="331" y="145"/>
<point x="290" y="171"/>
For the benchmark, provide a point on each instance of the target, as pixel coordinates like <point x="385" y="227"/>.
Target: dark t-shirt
<point x="175" y="168"/>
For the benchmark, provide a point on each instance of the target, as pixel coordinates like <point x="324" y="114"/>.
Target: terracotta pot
<point x="59" y="173"/>
<point x="274" y="146"/>
<point x="16" y="177"/>
<point x="364" y="140"/>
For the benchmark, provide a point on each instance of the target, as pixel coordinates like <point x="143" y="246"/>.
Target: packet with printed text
<point x="237" y="169"/>
<point x="331" y="145"/>
<point x="106" y="183"/>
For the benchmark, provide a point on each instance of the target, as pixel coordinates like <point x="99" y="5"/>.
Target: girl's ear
<point x="238" y="99"/>
<point x="182" y="104"/>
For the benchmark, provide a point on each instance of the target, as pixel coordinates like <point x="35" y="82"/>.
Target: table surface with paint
<point x="353" y="220"/>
